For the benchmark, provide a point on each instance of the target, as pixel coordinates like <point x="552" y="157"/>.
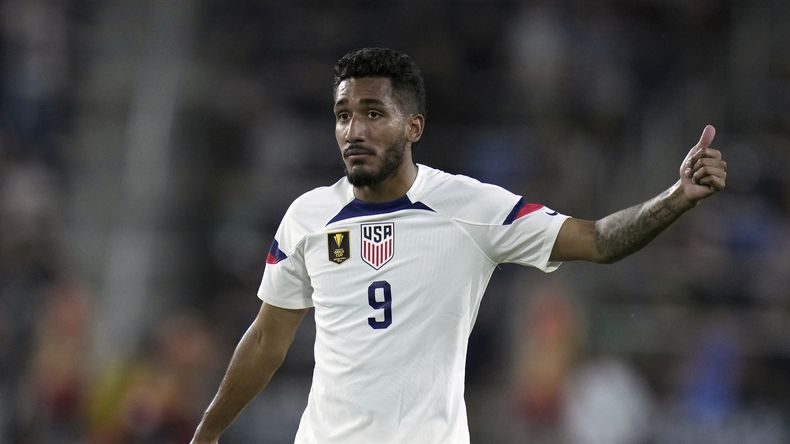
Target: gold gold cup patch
<point x="339" y="244"/>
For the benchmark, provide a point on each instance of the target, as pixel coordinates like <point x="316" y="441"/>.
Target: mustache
<point x="355" y="149"/>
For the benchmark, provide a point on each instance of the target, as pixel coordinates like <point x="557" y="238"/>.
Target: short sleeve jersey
<point x="396" y="288"/>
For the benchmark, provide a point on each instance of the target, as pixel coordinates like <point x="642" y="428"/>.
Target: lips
<point x="354" y="151"/>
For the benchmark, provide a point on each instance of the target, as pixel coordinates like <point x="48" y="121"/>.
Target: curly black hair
<point x="404" y="74"/>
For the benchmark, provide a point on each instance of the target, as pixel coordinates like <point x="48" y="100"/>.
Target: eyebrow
<point x="344" y="101"/>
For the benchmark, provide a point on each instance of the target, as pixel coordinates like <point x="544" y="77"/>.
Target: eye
<point x="373" y="115"/>
<point x="342" y="116"/>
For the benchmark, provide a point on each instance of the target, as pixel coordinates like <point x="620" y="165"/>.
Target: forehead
<point x="356" y="89"/>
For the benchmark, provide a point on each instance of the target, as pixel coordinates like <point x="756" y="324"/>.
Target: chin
<point x="362" y="177"/>
<point x="361" y="169"/>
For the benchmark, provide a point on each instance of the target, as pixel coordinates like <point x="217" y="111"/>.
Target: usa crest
<point x="378" y="243"/>
<point x="339" y="244"/>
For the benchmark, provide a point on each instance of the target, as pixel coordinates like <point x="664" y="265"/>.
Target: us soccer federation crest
<point x="378" y="243"/>
<point x="339" y="245"/>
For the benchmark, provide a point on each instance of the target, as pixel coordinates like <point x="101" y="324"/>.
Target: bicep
<point x="576" y="240"/>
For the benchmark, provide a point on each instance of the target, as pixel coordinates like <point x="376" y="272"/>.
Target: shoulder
<point x="466" y="199"/>
<point x="317" y="206"/>
<point x="311" y="211"/>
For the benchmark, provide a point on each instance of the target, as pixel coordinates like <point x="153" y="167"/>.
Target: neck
<point x="391" y="188"/>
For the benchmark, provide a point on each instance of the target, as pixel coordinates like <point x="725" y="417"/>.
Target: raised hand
<point x="703" y="171"/>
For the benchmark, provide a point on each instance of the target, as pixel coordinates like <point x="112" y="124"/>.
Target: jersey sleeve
<point x="285" y="282"/>
<point x="525" y="236"/>
<point x="504" y="226"/>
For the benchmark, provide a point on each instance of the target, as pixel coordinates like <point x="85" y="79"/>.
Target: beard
<point x="391" y="160"/>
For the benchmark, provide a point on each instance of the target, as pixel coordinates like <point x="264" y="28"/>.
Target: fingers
<point x="709" y="162"/>
<point x="704" y="165"/>
<point x="710" y="172"/>
<point x="716" y="183"/>
<point x="692" y="163"/>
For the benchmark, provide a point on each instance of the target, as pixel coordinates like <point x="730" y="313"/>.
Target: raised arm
<point x="702" y="173"/>
<point x="259" y="354"/>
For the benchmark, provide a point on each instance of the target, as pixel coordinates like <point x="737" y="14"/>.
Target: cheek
<point x="394" y="130"/>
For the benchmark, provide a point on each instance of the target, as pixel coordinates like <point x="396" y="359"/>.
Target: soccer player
<point x="395" y="257"/>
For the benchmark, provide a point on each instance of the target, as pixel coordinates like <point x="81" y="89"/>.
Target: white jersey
<point x="396" y="288"/>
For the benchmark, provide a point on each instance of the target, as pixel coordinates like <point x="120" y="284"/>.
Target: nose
<point x="355" y="131"/>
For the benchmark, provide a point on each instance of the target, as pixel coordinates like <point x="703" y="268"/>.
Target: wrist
<point x="678" y="199"/>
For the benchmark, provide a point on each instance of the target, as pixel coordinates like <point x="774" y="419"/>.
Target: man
<point x="395" y="258"/>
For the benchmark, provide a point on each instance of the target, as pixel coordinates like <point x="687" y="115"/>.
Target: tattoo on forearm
<point x="628" y="230"/>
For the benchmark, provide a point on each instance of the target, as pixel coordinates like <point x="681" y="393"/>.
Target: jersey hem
<point x="548" y="266"/>
<point x="281" y="304"/>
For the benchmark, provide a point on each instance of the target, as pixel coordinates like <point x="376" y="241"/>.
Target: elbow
<point x="279" y="356"/>
<point x="274" y="354"/>
<point x="603" y="251"/>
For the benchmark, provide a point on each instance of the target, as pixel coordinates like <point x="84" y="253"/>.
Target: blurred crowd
<point x="149" y="150"/>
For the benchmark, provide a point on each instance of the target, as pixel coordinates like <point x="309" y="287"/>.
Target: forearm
<point x="253" y="363"/>
<point x="702" y="174"/>
<point x="628" y="230"/>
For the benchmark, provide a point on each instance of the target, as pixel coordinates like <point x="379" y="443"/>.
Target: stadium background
<point x="149" y="149"/>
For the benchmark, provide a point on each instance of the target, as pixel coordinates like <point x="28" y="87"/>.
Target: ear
<point x="414" y="128"/>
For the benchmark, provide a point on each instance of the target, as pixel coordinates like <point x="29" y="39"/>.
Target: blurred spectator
<point x="709" y="390"/>
<point x="547" y="345"/>
<point x="155" y="398"/>
<point x="34" y="36"/>
<point x="550" y="334"/>
<point x="607" y="402"/>
<point x="54" y="395"/>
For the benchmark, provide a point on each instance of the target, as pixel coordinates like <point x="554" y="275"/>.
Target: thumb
<point x="707" y="136"/>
